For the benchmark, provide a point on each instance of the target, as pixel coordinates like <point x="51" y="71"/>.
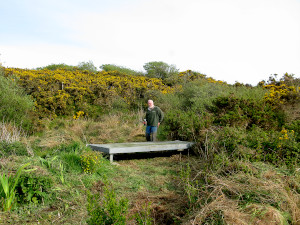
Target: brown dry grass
<point x="111" y="128"/>
<point x="228" y="195"/>
<point x="9" y="132"/>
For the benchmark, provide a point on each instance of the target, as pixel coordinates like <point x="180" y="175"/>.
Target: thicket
<point x="239" y="116"/>
<point x="62" y="92"/>
<point x="236" y="128"/>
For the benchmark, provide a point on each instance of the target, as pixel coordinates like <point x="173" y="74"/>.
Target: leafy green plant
<point x="191" y="188"/>
<point x="90" y="161"/>
<point x="33" y="188"/>
<point x="143" y="217"/>
<point x="7" y="189"/>
<point x="47" y="162"/>
<point x="108" y="209"/>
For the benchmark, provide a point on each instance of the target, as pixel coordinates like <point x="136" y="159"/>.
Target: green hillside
<point x="243" y="169"/>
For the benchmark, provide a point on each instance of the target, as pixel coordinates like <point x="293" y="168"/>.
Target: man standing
<point x="154" y="117"/>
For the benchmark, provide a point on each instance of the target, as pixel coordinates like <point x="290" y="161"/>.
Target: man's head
<point x="150" y="103"/>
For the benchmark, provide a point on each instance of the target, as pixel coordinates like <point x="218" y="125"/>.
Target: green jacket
<point x="154" y="116"/>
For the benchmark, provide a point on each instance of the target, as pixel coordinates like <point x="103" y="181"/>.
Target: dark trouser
<point x="151" y="133"/>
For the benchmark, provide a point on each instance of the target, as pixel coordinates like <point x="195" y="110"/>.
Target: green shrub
<point x="231" y="138"/>
<point x="143" y="217"/>
<point x="273" y="146"/>
<point x="15" y="105"/>
<point x="107" y="209"/>
<point x="199" y="95"/>
<point x="190" y="186"/>
<point x="58" y="66"/>
<point x="32" y="188"/>
<point x="90" y="161"/>
<point x="233" y="111"/>
<point x="121" y="69"/>
<point x="295" y="126"/>
<point x="180" y="125"/>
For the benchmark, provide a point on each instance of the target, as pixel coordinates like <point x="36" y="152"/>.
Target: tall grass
<point x="15" y="105"/>
<point x="7" y="189"/>
<point x="10" y="133"/>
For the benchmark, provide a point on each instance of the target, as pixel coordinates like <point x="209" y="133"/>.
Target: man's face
<point x="150" y="104"/>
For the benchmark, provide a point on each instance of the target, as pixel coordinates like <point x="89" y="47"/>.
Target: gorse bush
<point x="246" y="124"/>
<point x="90" y="161"/>
<point x="257" y="144"/>
<point x="180" y="125"/>
<point x="277" y="147"/>
<point x="63" y="92"/>
<point x="233" y="111"/>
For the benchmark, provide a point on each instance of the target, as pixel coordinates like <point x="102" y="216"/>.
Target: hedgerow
<point x="62" y="92"/>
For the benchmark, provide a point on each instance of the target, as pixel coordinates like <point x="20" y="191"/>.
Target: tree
<point x="57" y="67"/>
<point x="112" y="67"/>
<point x="160" y="69"/>
<point x="89" y="66"/>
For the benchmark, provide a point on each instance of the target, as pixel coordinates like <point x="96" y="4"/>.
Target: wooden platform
<point x="132" y="147"/>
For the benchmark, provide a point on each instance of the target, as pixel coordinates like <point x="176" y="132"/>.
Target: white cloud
<point x="231" y="40"/>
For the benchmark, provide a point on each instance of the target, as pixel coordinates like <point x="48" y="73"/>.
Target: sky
<point x="242" y="41"/>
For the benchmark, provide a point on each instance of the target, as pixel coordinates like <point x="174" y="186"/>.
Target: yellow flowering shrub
<point x="61" y="92"/>
<point x="285" y="136"/>
<point x="281" y="94"/>
<point x="78" y="115"/>
<point x="90" y="161"/>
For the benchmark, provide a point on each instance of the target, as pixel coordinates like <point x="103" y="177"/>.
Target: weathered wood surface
<point x="132" y="147"/>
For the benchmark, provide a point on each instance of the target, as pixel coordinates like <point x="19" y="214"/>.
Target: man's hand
<point x="158" y="124"/>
